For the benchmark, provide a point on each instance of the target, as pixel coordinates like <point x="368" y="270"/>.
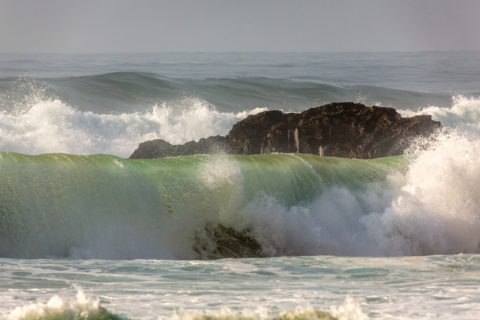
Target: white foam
<point x="435" y="210"/>
<point x="328" y="225"/>
<point x="57" y="307"/>
<point x="436" y="207"/>
<point x="221" y="171"/>
<point x="463" y="114"/>
<point x="348" y="310"/>
<point x="432" y="208"/>
<point x="50" y="126"/>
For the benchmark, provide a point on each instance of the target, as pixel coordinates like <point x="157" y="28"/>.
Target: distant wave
<point x="121" y="92"/>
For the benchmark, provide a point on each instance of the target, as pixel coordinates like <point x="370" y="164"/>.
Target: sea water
<point x="86" y="233"/>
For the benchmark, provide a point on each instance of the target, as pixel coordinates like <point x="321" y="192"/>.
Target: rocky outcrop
<point x="337" y="129"/>
<point x="160" y="148"/>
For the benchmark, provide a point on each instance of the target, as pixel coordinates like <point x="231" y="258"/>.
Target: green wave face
<point x="185" y="207"/>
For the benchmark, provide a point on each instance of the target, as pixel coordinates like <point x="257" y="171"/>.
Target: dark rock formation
<point x="160" y="148"/>
<point x="218" y="241"/>
<point x="337" y="129"/>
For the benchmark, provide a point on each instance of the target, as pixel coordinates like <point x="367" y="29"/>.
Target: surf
<point x="214" y="206"/>
<point x="85" y="308"/>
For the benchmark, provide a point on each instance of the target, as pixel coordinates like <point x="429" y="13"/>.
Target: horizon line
<point x="230" y="52"/>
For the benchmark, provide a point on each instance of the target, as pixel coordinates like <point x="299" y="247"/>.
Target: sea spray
<point x="435" y="210"/>
<point x="463" y="115"/>
<point x="46" y="125"/>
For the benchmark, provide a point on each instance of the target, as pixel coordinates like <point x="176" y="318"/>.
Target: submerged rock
<point x="218" y="241"/>
<point x="337" y="129"/>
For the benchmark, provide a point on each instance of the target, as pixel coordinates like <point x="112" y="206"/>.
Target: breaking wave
<point x="218" y="206"/>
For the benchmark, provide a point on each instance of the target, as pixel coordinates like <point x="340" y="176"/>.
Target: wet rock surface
<point x="337" y="129"/>
<point x="218" y="241"/>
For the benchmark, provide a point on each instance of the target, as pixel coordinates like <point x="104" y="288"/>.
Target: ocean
<point x="86" y="233"/>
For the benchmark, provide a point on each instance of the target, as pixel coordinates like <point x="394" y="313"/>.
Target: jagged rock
<point x="337" y="129"/>
<point x="160" y="148"/>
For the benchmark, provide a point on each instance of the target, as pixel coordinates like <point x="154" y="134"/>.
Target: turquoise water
<point x="59" y="205"/>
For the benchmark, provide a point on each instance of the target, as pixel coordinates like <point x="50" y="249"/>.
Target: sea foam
<point x="48" y="125"/>
<point x="58" y="308"/>
<point x="89" y="309"/>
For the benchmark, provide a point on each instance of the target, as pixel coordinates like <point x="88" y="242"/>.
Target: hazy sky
<point x="243" y="25"/>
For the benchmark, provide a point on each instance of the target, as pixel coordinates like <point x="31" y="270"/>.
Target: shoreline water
<point x="263" y="288"/>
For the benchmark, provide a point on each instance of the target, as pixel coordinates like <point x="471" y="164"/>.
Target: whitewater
<point x="87" y="233"/>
